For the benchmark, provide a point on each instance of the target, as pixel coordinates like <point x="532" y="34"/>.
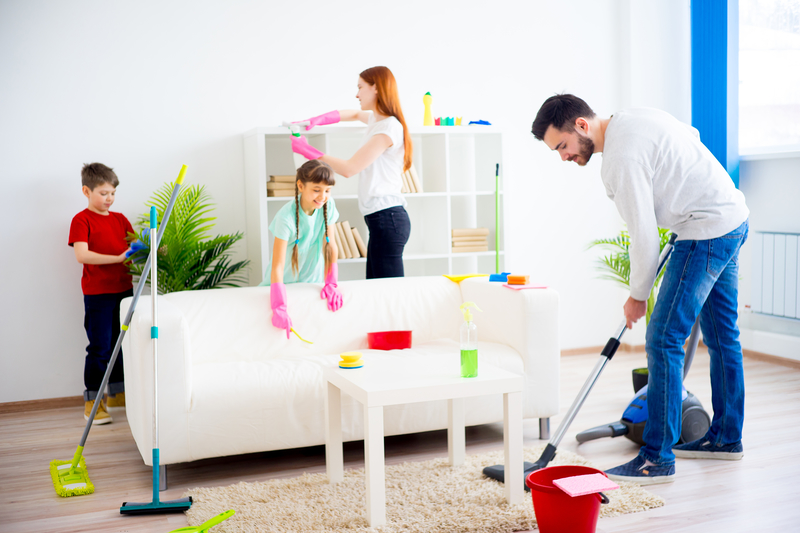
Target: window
<point x="769" y="74"/>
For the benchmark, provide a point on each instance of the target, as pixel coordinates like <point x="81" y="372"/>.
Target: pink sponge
<point x="588" y="484"/>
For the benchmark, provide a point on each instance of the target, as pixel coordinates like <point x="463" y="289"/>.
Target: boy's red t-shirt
<point x="105" y="235"/>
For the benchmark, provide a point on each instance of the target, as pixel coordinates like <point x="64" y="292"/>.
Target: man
<point x="659" y="174"/>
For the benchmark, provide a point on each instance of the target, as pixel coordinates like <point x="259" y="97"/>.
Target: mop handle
<point x="497" y="218"/>
<point x="139" y="287"/>
<point x="154" y="328"/>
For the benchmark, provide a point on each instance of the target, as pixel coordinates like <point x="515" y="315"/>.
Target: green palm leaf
<point x="188" y="258"/>
<point x="616" y="266"/>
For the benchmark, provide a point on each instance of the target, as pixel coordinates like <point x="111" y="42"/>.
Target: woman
<point x="380" y="162"/>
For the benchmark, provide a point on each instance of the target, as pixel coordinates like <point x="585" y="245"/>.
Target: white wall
<point x="147" y="86"/>
<point x="772" y="189"/>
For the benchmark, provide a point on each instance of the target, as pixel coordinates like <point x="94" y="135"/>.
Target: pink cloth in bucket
<point x="582" y="485"/>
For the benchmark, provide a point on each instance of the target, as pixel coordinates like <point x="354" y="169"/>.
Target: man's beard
<point x="586" y="149"/>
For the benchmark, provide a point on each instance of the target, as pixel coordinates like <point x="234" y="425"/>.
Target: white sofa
<point x="230" y="383"/>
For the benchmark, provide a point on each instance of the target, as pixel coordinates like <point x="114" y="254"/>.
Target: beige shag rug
<point x="424" y="497"/>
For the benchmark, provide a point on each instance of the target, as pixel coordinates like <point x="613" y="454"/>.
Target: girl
<point x="384" y="155"/>
<point x="308" y="236"/>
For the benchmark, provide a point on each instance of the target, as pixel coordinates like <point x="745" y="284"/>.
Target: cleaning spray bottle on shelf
<point x="469" y="342"/>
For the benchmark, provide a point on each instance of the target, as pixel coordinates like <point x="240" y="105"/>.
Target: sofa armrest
<point x="174" y="379"/>
<point x="526" y="320"/>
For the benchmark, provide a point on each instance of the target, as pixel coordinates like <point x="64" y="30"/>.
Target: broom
<point x="70" y="478"/>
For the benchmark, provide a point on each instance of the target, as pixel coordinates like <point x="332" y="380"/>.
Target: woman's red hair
<point x="389" y="103"/>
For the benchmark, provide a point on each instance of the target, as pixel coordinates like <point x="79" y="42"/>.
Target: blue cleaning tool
<point x="480" y="122"/>
<point x="499" y="277"/>
<point x="135" y="247"/>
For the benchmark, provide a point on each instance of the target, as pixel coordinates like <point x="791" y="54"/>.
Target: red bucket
<point x="389" y="340"/>
<point x="558" y="512"/>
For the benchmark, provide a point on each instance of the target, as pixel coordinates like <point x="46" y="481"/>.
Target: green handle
<point x="497" y="218"/>
<point x="208" y="524"/>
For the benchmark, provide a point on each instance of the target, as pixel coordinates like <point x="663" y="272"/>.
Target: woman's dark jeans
<point x="389" y="230"/>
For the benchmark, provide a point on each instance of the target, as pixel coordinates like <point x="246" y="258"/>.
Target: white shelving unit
<point x="456" y="165"/>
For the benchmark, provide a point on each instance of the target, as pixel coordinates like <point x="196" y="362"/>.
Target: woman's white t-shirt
<point x="379" y="184"/>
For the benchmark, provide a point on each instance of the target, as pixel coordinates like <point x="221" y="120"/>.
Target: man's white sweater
<point x="659" y="174"/>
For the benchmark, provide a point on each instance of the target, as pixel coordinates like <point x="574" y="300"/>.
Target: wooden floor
<point x="759" y="493"/>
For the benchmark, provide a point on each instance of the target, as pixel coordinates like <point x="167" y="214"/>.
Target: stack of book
<point x="411" y="182"/>
<point x="281" y="185"/>
<point x="470" y="240"/>
<point x="349" y="242"/>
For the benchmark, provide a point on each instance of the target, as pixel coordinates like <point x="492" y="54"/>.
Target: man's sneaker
<point x="705" y="449"/>
<point x="100" y="417"/>
<point x="118" y="400"/>
<point x="639" y="472"/>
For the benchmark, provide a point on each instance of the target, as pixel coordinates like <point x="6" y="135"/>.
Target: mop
<point x="497" y="472"/>
<point x="70" y="478"/>
<point x="155" y="506"/>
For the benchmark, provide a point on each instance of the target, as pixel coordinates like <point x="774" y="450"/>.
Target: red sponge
<point x="588" y="484"/>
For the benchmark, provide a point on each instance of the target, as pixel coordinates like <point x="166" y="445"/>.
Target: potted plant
<point x="188" y="257"/>
<point x="616" y="266"/>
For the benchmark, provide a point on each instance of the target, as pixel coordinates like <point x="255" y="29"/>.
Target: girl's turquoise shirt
<point x="310" y="260"/>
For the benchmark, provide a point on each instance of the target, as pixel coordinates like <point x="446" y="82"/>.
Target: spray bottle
<point x="469" y="342"/>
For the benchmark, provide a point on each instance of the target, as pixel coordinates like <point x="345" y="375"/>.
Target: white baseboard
<point x="766" y="342"/>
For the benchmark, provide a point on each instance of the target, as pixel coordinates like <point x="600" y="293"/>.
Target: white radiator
<point x="775" y="288"/>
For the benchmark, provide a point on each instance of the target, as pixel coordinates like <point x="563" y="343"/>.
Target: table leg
<point x="456" y="440"/>
<point x="374" y="466"/>
<point x="334" y="457"/>
<point x="512" y="447"/>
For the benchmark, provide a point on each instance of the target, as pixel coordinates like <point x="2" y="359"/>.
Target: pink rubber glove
<point x="331" y="289"/>
<point x="280" y="316"/>
<point x="331" y="117"/>
<point x="300" y="146"/>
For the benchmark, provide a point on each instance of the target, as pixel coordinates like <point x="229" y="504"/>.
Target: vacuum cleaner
<point x="497" y="471"/>
<point x="694" y="419"/>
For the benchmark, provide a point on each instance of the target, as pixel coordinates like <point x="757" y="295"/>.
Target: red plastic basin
<point x="389" y="340"/>
<point x="558" y="512"/>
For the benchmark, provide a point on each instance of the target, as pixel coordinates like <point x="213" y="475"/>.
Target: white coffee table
<point x="387" y="381"/>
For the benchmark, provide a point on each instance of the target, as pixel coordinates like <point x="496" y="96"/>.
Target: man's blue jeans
<point x="701" y="278"/>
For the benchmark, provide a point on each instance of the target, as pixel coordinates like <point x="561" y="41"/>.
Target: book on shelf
<point x="280" y="186"/>
<point x="281" y="192"/>
<point x="470" y="232"/>
<point x="351" y="242"/>
<point x="471" y="239"/>
<point x="462" y="249"/>
<point x="362" y="248"/>
<point x="343" y="241"/>
<point x="406" y="188"/>
<point x="416" y="183"/>
<point x="281" y="178"/>
<point x="411" y="181"/>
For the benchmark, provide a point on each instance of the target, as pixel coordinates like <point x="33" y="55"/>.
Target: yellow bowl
<point x="350" y="357"/>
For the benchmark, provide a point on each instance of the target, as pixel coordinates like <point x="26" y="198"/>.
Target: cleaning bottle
<point x="469" y="342"/>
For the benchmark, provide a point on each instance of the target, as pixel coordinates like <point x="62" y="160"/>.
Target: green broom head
<point x="70" y="478"/>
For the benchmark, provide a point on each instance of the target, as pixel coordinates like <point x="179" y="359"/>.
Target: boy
<point x="98" y="237"/>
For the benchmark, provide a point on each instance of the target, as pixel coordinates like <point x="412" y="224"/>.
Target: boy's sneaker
<point x="118" y="400"/>
<point x="638" y="471"/>
<point x="704" y="449"/>
<point x="100" y="417"/>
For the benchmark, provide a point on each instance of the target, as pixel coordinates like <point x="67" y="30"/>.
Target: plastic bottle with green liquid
<point x="469" y="342"/>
